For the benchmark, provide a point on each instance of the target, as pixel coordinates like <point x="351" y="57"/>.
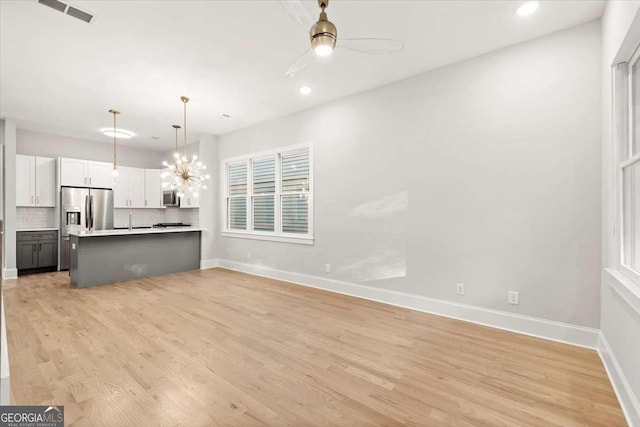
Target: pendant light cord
<point x="114" y="140"/>
<point x="176" y="127"/>
<point x="184" y="100"/>
<point x="115" y="127"/>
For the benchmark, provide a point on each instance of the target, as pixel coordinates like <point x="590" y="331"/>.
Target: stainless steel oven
<point x="170" y="198"/>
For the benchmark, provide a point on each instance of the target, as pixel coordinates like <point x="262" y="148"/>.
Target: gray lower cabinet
<point x="27" y="255"/>
<point x="36" y="250"/>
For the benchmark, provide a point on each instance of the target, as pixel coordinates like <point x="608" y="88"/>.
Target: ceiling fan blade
<point x="301" y="63"/>
<point x="299" y="13"/>
<point x="372" y="46"/>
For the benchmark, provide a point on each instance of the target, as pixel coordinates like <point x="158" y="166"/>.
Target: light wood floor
<point x="216" y="347"/>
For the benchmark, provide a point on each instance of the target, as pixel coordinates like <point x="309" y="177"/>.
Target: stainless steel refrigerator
<point x="83" y="209"/>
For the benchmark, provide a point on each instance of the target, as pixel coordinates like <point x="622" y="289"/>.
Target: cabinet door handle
<point x="37" y="200"/>
<point x="145" y="202"/>
<point x="40" y="247"/>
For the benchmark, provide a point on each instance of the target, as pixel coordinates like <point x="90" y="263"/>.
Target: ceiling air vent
<point x="77" y="13"/>
<point x="54" y="4"/>
<point x="68" y="9"/>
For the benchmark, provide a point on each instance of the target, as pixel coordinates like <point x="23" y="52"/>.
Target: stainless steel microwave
<point x="170" y="198"/>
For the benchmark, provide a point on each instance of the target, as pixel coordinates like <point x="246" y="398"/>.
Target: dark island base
<point x="109" y="259"/>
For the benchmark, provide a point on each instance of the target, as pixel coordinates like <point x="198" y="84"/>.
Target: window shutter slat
<point x="237" y="213"/>
<point x="263" y="213"/>
<point x="295" y="172"/>
<point x="238" y="179"/>
<point x="295" y="214"/>
<point x="264" y="187"/>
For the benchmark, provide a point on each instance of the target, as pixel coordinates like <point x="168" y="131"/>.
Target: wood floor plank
<point x="217" y="347"/>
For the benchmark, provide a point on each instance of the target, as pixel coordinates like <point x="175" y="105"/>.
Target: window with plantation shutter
<point x="269" y="195"/>
<point x="295" y="193"/>
<point x="237" y="197"/>
<point x="264" y="192"/>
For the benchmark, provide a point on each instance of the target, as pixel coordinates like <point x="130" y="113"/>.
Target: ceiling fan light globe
<point x="323" y="50"/>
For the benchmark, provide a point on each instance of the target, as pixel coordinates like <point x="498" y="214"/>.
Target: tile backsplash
<point x="35" y="217"/>
<point x="141" y="217"/>
<point x="188" y="216"/>
<point x="138" y="217"/>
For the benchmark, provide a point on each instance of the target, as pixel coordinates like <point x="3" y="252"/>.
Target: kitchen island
<point x="107" y="256"/>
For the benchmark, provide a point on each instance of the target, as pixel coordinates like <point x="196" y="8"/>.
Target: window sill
<point x="282" y="239"/>
<point x="625" y="287"/>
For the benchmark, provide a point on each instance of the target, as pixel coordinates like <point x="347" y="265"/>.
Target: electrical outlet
<point x="327" y="268"/>
<point x="514" y="297"/>
<point x="248" y="255"/>
<point x="460" y="288"/>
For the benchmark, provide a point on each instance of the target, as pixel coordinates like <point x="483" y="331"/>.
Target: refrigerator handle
<point x="86" y="211"/>
<point x="91" y="211"/>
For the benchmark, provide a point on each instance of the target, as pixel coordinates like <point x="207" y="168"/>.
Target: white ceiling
<point x="61" y="75"/>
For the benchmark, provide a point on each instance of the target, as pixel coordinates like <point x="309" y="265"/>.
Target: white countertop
<point x="127" y="232"/>
<point x="38" y="229"/>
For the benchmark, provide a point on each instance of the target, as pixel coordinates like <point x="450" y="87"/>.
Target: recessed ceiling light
<point x="527" y="8"/>
<point x="119" y="133"/>
<point x="305" y="90"/>
<point x="225" y="116"/>
<point x="154" y="139"/>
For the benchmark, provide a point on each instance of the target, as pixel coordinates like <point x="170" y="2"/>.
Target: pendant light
<point x="171" y="176"/>
<point x="185" y="176"/>
<point x="115" y="113"/>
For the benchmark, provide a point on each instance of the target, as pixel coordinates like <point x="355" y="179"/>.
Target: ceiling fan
<point x="324" y="37"/>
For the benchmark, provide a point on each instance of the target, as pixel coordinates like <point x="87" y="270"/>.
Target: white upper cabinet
<point x="85" y="173"/>
<point x="153" y="188"/>
<point x="121" y="188"/>
<point x="189" y="201"/>
<point x="35" y="181"/>
<point x="73" y="172"/>
<point x="136" y="188"/>
<point x="45" y="182"/>
<point x="99" y="174"/>
<point x="25" y="180"/>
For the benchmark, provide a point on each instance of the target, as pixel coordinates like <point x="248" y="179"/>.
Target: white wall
<point x="209" y="205"/>
<point x="10" y="222"/>
<point x="48" y="145"/>
<point x="620" y="309"/>
<point x="484" y="172"/>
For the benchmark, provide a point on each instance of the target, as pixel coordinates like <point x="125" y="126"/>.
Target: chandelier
<point x="184" y="176"/>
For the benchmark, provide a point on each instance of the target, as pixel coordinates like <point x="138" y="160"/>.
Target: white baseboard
<point x="624" y="392"/>
<point x="555" y="331"/>
<point x="208" y="263"/>
<point x="10" y="273"/>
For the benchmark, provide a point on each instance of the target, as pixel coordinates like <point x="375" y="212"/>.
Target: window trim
<point x="622" y="85"/>
<point x="277" y="235"/>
